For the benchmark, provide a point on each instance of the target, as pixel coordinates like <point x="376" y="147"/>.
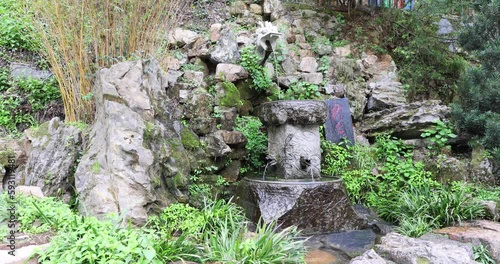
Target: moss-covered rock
<point x="190" y="140"/>
<point x="228" y="95"/>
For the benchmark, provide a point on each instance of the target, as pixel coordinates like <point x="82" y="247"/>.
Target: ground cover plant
<point x="386" y="178"/>
<point x="217" y="232"/>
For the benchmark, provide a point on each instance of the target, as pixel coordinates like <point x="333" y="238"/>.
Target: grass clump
<point x="79" y="37"/>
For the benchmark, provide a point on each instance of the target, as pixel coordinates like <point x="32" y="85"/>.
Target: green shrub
<point x="335" y="159"/>
<point x="476" y="109"/>
<point x="425" y="64"/>
<point x="256" y="146"/>
<point x="439" y="136"/>
<point x="16" y="28"/>
<point x="250" y="60"/>
<point x="298" y="91"/>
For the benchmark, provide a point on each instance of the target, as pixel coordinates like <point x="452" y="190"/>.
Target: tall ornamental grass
<point x="81" y="36"/>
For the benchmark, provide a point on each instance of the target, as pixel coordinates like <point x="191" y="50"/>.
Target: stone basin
<point x="315" y="207"/>
<point x="303" y="112"/>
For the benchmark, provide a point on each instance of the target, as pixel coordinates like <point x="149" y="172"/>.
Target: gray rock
<point x="337" y="90"/>
<point x="23" y="70"/>
<point x="357" y="93"/>
<point x="273" y="8"/>
<point x="407" y="121"/>
<point x="308" y="64"/>
<point x="445" y="27"/>
<point x="401" y="249"/>
<point x="352" y="242"/>
<point x="195" y="78"/>
<point x="369" y="257"/>
<point x="385" y="94"/>
<point x="181" y="37"/>
<point x="135" y="162"/>
<point x="30" y="191"/>
<point x="55" y="148"/>
<point x="478" y="232"/>
<point x="313" y="206"/>
<point x="492" y="209"/>
<point x="22" y="255"/>
<point x="286" y="81"/>
<point x="342" y="51"/>
<point x="255" y="9"/>
<point x="199" y="105"/>
<point x="230" y="72"/>
<point x="289" y="66"/>
<point x="312" y="77"/>
<point x="203" y="125"/>
<point x="238" y="8"/>
<point x="226" y="49"/>
<point x="232" y="171"/>
<point x="216" y="147"/>
<point x="226" y="117"/>
<point x="215" y="31"/>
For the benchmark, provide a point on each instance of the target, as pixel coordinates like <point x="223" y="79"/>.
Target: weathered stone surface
<point x="313" y="206"/>
<point x="273" y="8"/>
<point x="401" y="249"/>
<point x="255" y="9"/>
<point x="337" y="90"/>
<point x="481" y="168"/>
<point x="237" y="8"/>
<point x="215" y="32"/>
<point x="195" y="78"/>
<point x="199" y="105"/>
<point x="308" y="64"/>
<point x="491" y="209"/>
<point x="306" y="112"/>
<point x="343" y="51"/>
<point x="22" y="255"/>
<point x="226" y="49"/>
<point x="407" y="121"/>
<point x="135" y="162"/>
<point x="482" y="231"/>
<point x="23" y="70"/>
<point x="289" y="66"/>
<point x="385" y="94"/>
<point x="232" y="171"/>
<point x="312" y="77"/>
<point x="232" y="137"/>
<point x="352" y="242"/>
<point x="203" y="125"/>
<point x="369" y="257"/>
<point x="230" y="72"/>
<point x="216" y="147"/>
<point x="181" y="37"/>
<point x="318" y="256"/>
<point x="30" y="191"/>
<point x="286" y="81"/>
<point x="356" y="92"/>
<point x="55" y="147"/>
<point x="226" y="117"/>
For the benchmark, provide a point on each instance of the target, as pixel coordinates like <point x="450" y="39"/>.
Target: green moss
<point x="96" y="167"/>
<point x="149" y="131"/>
<point x="231" y="96"/>
<point x="189" y="140"/>
<point x="180" y="180"/>
<point x="41" y="131"/>
<point x="4" y="157"/>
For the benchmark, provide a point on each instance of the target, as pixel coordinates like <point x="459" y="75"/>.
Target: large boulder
<point x="406" y="121"/>
<point x="407" y="250"/>
<point x="135" y="162"/>
<point x="315" y="207"/>
<point x="226" y="48"/>
<point x="55" y="148"/>
<point x="479" y="232"/>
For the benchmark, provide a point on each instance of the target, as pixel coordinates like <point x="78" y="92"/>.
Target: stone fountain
<point x="292" y="191"/>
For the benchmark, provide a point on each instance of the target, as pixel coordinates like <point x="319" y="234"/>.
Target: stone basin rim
<point x="322" y="181"/>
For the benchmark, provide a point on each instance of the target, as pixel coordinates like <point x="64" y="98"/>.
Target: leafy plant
<point x="336" y="158"/>
<point x="439" y="136"/>
<point x="298" y="90"/>
<point x="482" y="254"/>
<point x="250" y="60"/>
<point x="256" y="146"/>
<point x="16" y="27"/>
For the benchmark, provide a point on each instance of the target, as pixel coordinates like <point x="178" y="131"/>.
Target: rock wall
<point x="135" y="162"/>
